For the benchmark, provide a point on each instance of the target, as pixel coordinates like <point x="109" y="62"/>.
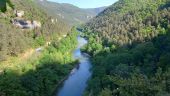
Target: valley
<point x="68" y="12"/>
<point x="58" y="49"/>
<point x="76" y="83"/>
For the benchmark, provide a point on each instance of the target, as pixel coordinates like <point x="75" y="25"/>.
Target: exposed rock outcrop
<point x="26" y="24"/>
<point x="19" y="13"/>
<point x="36" y="24"/>
<point x="20" y="22"/>
<point x="64" y="36"/>
<point x="54" y="20"/>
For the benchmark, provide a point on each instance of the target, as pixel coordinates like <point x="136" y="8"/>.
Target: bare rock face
<point x="64" y="36"/>
<point x="36" y="24"/>
<point x="20" y="22"/>
<point x="3" y="5"/>
<point x="17" y="22"/>
<point x="52" y="20"/>
<point x="19" y="13"/>
<point x="26" y="24"/>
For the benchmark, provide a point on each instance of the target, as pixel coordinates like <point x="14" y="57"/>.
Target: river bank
<point x="39" y="76"/>
<point x="76" y="82"/>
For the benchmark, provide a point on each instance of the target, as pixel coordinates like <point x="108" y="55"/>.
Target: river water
<point x="76" y="83"/>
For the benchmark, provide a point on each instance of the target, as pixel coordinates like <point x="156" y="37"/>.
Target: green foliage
<point x="40" y="76"/>
<point x="40" y="41"/>
<point x="133" y="59"/>
<point x="15" y="40"/>
<point x="9" y="3"/>
<point x="4" y="4"/>
<point x="42" y="72"/>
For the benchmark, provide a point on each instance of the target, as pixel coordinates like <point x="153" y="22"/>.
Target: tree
<point x="105" y="92"/>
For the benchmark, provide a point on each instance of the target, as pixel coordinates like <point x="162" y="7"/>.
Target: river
<point x="76" y="83"/>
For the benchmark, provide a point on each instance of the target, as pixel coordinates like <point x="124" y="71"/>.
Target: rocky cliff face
<point x="21" y="22"/>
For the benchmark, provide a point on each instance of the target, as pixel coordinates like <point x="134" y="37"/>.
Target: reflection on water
<point x="77" y="80"/>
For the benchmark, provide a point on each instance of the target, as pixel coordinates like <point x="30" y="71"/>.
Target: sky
<point x="87" y="3"/>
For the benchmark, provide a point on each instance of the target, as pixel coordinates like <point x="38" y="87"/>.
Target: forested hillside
<point x="68" y="12"/>
<point x="15" y="40"/>
<point x="40" y="74"/>
<point x="25" y="70"/>
<point x="129" y="44"/>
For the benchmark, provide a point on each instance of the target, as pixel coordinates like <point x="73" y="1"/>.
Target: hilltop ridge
<point x="68" y="12"/>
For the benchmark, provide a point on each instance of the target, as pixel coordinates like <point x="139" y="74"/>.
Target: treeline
<point x="131" y="20"/>
<point x="40" y="76"/>
<point x="3" y="5"/>
<point x="15" y="40"/>
<point x="129" y="44"/>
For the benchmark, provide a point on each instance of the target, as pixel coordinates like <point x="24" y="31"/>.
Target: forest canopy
<point x="129" y="44"/>
<point x="16" y="40"/>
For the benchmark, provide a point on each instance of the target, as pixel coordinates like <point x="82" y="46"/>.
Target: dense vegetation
<point x="129" y="44"/>
<point x="3" y="5"/>
<point x="41" y="74"/>
<point x="65" y="12"/>
<point x="25" y="71"/>
<point x="15" y="40"/>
